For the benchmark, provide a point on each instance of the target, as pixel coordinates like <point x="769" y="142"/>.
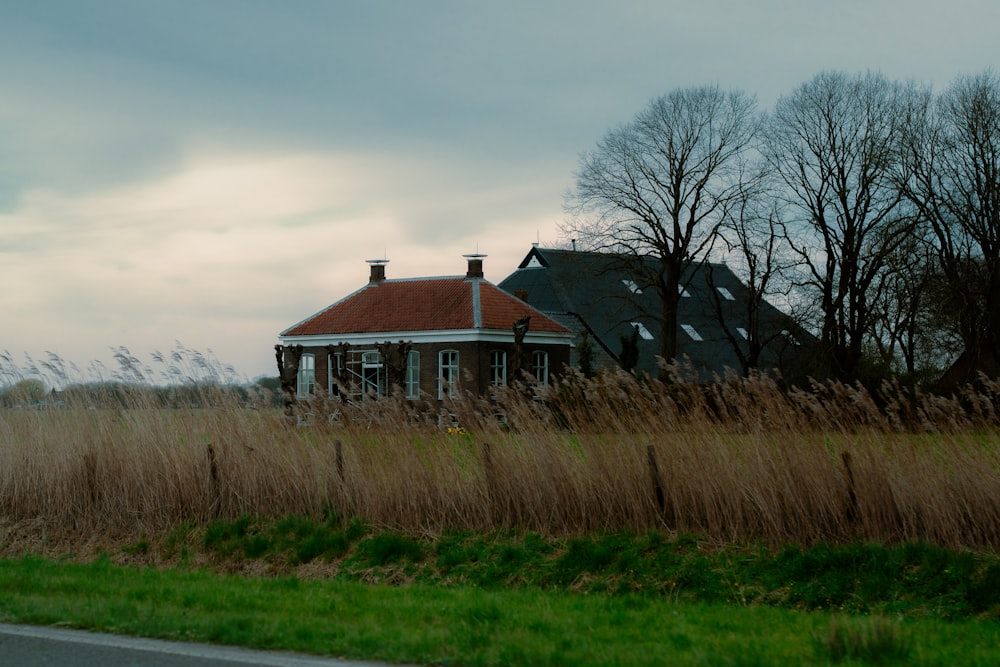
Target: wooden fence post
<point x="90" y="474"/>
<point x="654" y="471"/>
<point x="335" y="494"/>
<point x="492" y="495"/>
<point x="215" y="490"/>
<point x="851" y="511"/>
<point x="338" y="448"/>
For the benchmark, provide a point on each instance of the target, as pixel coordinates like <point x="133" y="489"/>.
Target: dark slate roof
<point x="597" y="292"/>
<point x="424" y="304"/>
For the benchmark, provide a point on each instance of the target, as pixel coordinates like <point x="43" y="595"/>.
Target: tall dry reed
<point x="739" y="459"/>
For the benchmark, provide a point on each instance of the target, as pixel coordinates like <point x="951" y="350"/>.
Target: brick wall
<point x="473" y="359"/>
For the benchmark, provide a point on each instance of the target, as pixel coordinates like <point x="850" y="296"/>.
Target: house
<point x="427" y="337"/>
<point x="608" y="299"/>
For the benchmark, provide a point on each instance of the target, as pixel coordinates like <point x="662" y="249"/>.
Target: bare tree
<point x="833" y="143"/>
<point x="913" y="334"/>
<point x="953" y="175"/>
<point x="288" y="359"/>
<point x="756" y="247"/>
<point x="661" y="185"/>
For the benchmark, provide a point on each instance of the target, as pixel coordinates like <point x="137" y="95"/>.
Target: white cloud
<point x="231" y="249"/>
<point x="214" y="172"/>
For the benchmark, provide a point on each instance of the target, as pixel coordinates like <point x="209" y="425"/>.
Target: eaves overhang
<point x="427" y="337"/>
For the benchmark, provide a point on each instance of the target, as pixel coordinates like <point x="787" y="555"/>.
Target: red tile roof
<point x="423" y="304"/>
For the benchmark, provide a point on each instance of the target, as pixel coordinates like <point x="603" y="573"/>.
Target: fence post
<point x="338" y="448"/>
<point x="851" y="511"/>
<point x="215" y="489"/>
<point x="490" y="474"/>
<point x="90" y="474"/>
<point x="654" y="471"/>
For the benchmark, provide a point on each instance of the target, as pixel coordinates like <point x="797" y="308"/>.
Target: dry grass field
<point x="740" y="460"/>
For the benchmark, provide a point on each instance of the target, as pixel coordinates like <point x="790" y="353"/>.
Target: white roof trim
<point x="444" y="336"/>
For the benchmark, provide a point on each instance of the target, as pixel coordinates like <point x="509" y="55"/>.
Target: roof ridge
<point x="477" y="306"/>
<point x="521" y="303"/>
<point x="423" y="279"/>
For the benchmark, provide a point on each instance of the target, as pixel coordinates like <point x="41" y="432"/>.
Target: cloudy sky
<point x="211" y="172"/>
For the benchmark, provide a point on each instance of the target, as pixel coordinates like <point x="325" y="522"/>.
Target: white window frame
<point x="448" y="369"/>
<point x="305" y="384"/>
<point x="498" y="368"/>
<point x="413" y="374"/>
<point x="372" y="360"/>
<point x="540" y="366"/>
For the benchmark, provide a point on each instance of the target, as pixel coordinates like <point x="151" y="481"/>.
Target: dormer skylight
<point x="692" y="332"/>
<point x="632" y="287"/>
<point x="643" y="331"/>
<point x="726" y="294"/>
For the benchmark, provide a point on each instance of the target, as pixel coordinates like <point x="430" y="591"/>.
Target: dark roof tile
<point x="598" y="290"/>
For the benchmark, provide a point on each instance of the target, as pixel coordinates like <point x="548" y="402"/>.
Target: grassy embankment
<point x="590" y="491"/>
<point x="467" y="625"/>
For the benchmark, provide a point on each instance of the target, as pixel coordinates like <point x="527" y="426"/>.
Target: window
<point x="690" y="331"/>
<point x="334" y="370"/>
<point x="447" y="373"/>
<point x="683" y="290"/>
<point x="643" y="331"/>
<point x="632" y="287"/>
<point x="413" y="374"/>
<point x="306" y="385"/>
<point x="743" y="332"/>
<point x="498" y="368"/>
<point x="726" y="294"/>
<point x="540" y="366"/>
<point x="372" y="374"/>
<point x="362" y="372"/>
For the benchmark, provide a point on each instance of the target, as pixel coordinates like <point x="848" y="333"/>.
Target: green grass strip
<point x="916" y="579"/>
<point x="467" y="625"/>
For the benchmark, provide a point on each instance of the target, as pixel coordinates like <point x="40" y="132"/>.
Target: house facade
<point x="608" y="299"/>
<point x="427" y="338"/>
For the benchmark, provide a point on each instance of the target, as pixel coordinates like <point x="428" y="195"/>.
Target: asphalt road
<point x="28" y="646"/>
